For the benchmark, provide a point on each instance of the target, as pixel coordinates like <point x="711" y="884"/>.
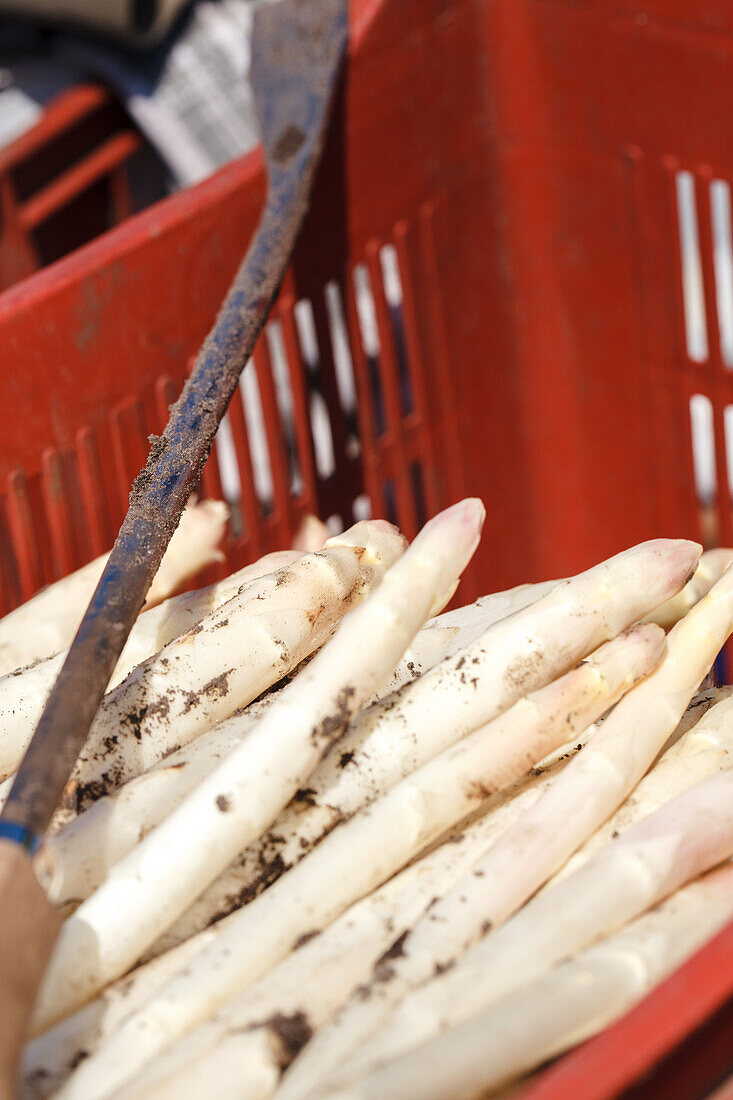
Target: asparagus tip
<point x="466" y="517"/>
<point x="671" y="563"/>
<point x="633" y="654"/>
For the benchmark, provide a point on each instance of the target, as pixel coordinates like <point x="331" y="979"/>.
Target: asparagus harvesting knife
<point x="297" y="49"/>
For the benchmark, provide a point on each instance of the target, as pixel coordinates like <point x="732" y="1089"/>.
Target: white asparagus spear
<point x="22" y="701"/>
<point x="495" y="756"/>
<point x="74" y="861"/>
<point x="701" y="750"/>
<point x="23" y="693"/>
<point x="678" y="842"/>
<point x="155" y="628"/>
<point x="704" y="747"/>
<point x="690" y="835"/>
<point x="713" y="563"/>
<point x="517" y="654"/>
<point x="587" y="792"/>
<point x="154" y="883"/>
<point x="574" y="1001"/>
<point x="201" y="530"/>
<point x="296" y="997"/>
<point x="378" y="749"/>
<point x="499" y="605"/>
<point x="50" y="1057"/>
<point x="47" y="1060"/>
<point x="311" y="535"/>
<point x="47" y="623"/>
<point x="383" y="836"/>
<point x="229" y="658"/>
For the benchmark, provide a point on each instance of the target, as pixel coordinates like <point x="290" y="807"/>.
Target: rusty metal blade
<point x="297" y="48"/>
<point x="292" y="71"/>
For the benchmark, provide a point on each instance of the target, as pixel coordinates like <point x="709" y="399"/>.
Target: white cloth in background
<point x="201" y="113"/>
<point x="190" y="96"/>
<point x="18" y="110"/>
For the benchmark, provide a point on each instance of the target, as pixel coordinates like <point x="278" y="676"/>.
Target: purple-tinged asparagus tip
<point x="670" y="563"/>
<point x="632" y="654"/>
<point x="465" y="519"/>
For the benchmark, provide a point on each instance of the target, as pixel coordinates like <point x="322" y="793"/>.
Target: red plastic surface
<point x="96" y="345"/>
<point x="65" y="180"/>
<point x="523" y="158"/>
<point x="677" y="1043"/>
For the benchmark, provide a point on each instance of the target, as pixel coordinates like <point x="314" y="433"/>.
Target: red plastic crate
<point x="528" y="162"/>
<point x="69" y="178"/>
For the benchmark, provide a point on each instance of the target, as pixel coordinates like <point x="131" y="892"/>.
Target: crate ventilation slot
<point x="328" y="418"/>
<point x="703" y="448"/>
<point x="704" y="227"/>
<point x="253" y="444"/>
<point x="692" y="284"/>
<point x="723" y="266"/>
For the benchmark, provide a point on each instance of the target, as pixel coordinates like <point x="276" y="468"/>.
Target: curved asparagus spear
<point x="574" y="1001"/>
<point x="47" y="623"/>
<point x="155" y="882"/>
<point x="357" y="857"/>
<point x="684" y="838"/>
<point x="587" y="792"/>
<point x="517" y="654"/>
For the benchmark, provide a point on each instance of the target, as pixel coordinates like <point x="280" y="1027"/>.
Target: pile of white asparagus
<point x="324" y="841"/>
